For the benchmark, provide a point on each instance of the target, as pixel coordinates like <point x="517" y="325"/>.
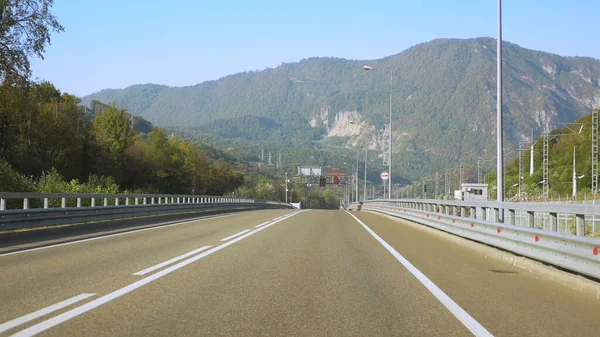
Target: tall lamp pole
<point x="390" y="139"/>
<point x="390" y="160"/>
<point x="356" y="198"/>
<point x="286" y="188"/>
<point x="365" y="187"/>
<point x="499" y="131"/>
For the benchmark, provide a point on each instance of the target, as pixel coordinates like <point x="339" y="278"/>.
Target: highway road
<point x="279" y="273"/>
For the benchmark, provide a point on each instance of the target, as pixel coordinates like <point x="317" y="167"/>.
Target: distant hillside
<point x="444" y="97"/>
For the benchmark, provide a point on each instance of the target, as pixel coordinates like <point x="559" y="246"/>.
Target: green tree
<point x="113" y="133"/>
<point x="25" y="27"/>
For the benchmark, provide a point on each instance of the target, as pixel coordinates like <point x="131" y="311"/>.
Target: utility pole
<point x="446" y="183"/>
<point x="531" y="160"/>
<point x="478" y="171"/>
<point x="574" y="174"/>
<point x="437" y="185"/>
<point x="460" y="174"/>
<point x="262" y="158"/>
<point x="521" y="157"/>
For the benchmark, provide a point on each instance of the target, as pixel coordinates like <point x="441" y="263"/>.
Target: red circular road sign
<point x="336" y="180"/>
<point x="384" y="175"/>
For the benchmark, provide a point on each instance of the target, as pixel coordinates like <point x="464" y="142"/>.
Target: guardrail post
<point x="2" y="204"/>
<point x="25" y="203"/>
<point x="105" y="202"/>
<point x="496" y="215"/>
<point x="93" y="202"/>
<point x="127" y="201"/>
<point x="455" y="210"/>
<point x="483" y="213"/>
<point x="116" y="201"/>
<point x="159" y="200"/>
<point x="136" y="201"/>
<point x="530" y="219"/>
<point x="580" y="224"/>
<point x="474" y="212"/>
<point x="463" y="212"/>
<point x="511" y="217"/>
<point x="79" y="202"/>
<point x="152" y="201"/>
<point x="553" y="222"/>
<point x="178" y="200"/>
<point x="46" y="203"/>
<point x="63" y="202"/>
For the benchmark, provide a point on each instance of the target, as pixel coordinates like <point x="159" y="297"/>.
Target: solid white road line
<point x="122" y="233"/>
<point x="47" y="324"/>
<point x="236" y="234"/>
<point x="168" y="262"/>
<point x="262" y="224"/>
<point x="42" y="312"/>
<point x="276" y="219"/>
<point x="466" y="319"/>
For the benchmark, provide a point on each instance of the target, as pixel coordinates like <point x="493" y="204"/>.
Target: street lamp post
<point x="390" y="139"/>
<point x="286" y="188"/>
<point x="357" y="198"/>
<point x="365" y="187"/>
<point x="499" y="129"/>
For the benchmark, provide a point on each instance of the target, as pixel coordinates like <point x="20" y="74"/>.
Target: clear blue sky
<point x="117" y="43"/>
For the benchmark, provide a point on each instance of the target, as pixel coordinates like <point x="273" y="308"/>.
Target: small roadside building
<point x="472" y="192"/>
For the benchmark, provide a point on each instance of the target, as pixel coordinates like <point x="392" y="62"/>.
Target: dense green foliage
<point x="560" y="163"/>
<point x="443" y="101"/>
<point x="50" y="144"/>
<point x="25" y="28"/>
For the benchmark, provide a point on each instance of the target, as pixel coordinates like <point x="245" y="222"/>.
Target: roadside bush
<point x="13" y="181"/>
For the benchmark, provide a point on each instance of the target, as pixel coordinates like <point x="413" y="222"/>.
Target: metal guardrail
<point x="468" y="219"/>
<point x="80" y="208"/>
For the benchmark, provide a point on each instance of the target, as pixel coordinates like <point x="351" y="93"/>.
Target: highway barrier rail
<point x="529" y="229"/>
<point x="30" y="210"/>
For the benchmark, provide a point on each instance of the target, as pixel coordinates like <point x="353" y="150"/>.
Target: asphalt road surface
<point x="279" y="273"/>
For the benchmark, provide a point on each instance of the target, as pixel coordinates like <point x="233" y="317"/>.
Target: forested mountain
<point x="444" y="97"/>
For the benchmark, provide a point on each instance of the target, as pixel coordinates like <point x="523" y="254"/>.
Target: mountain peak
<point x="444" y="92"/>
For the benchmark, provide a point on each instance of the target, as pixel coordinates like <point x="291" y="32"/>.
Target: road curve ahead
<point x="281" y="273"/>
